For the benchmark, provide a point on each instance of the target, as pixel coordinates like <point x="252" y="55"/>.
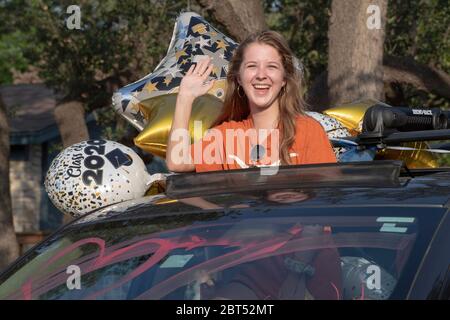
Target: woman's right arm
<point x="192" y="85"/>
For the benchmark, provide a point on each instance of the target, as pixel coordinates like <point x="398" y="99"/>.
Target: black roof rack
<point x="354" y="174"/>
<point x="368" y="139"/>
<point x="398" y="137"/>
<point x="384" y="125"/>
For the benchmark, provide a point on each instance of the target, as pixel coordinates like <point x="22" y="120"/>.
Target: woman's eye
<point x="251" y="65"/>
<point x="273" y="66"/>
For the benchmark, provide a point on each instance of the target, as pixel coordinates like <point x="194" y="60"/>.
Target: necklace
<point x="258" y="152"/>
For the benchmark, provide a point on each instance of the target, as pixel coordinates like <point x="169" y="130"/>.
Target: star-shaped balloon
<point x="193" y="38"/>
<point x="149" y="103"/>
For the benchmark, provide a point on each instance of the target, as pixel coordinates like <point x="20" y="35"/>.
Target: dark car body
<point x="334" y="231"/>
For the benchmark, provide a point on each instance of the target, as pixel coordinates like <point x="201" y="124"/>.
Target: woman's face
<point x="261" y="75"/>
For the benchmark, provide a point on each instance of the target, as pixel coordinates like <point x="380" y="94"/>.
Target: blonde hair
<point x="290" y="97"/>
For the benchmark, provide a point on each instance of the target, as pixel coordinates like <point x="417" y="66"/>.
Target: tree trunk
<point x="355" y="57"/>
<point x="9" y="247"/>
<point x="317" y="97"/>
<point x="72" y="127"/>
<point x="71" y="122"/>
<point x="240" y="18"/>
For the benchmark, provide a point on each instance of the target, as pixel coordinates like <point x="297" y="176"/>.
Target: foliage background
<point x="121" y="41"/>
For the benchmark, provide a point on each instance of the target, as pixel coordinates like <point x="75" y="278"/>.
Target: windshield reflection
<point x="242" y="253"/>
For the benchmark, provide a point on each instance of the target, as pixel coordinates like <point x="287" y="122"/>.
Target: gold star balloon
<point x="159" y="111"/>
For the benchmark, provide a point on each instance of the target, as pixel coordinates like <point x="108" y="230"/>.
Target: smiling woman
<point x="263" y="104"/>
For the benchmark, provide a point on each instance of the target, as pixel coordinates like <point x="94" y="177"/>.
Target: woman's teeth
<point x="261" y="86"/>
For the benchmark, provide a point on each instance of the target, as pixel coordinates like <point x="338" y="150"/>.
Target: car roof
<point x="386" y="188"/>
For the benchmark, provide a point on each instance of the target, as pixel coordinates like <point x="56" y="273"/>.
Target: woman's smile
<point x="261" y="89"/>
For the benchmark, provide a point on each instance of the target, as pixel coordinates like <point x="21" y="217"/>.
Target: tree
<point x="9" y="247"/>
<point x="416" y="62"/>
<point x="240" y="18"/>
<point x="115" y="46"/>
<point x="417" y="51"/>
<point x="70" y="119"/>
<point x="116" y="43"/>
<point x="304" y="24"/>
<point x="17" y="49"/>
<point x="355" y="63"/>
<point x="406" y="70"/>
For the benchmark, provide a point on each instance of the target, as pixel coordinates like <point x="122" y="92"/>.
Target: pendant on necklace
<point x="257" y="152"/>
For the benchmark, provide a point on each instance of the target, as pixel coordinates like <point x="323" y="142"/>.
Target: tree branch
<point x="403" y="70"/>
<point x="408" y="71"/>
<point x="240" y="18"/>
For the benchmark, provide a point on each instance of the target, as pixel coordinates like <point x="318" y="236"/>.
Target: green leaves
<point x="12" y="46"/>
<point x="305" y="26"/>
<point x="119" y="42"/>
<point x="420" y="28"/>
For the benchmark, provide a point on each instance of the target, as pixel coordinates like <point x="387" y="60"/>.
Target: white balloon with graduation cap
<point x="93" y="174"/>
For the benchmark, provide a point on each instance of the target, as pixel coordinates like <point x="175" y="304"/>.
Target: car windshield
<point x="275" y="252"/>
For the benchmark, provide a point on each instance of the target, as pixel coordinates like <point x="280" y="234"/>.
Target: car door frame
<point x="434" y="267"/>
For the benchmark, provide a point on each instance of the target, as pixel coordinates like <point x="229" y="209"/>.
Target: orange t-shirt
<point x="228" y="146"/>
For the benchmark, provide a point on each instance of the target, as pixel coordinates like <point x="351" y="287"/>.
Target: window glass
<point x="241" y="253"/>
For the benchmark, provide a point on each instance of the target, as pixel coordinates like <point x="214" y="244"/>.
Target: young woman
<point x="264" y="95"/>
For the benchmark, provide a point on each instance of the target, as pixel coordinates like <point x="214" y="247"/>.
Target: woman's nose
<point x="260" y="73"/>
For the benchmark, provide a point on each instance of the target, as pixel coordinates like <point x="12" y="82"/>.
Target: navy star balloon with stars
<point x="193" y="38"/>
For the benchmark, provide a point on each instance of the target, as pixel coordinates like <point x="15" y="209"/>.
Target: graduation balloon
<point x="193" y="39"/>
<point x="93" y="174"/>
